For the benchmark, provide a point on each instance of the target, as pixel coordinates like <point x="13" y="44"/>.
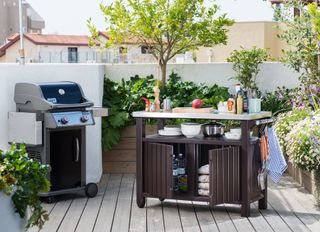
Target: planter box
<point x="122" y="157"/>
<point x="9" y="220"/>
<point x="306" y="179"/>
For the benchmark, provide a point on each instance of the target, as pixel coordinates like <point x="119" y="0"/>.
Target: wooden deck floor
<point x="291" y="208"/>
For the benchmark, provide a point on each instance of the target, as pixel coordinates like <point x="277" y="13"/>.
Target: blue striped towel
<point x="276" y="164"/>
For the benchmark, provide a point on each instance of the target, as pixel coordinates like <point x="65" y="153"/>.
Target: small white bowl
<point x="190" y="129"/>
<point x="172" y="128"/>
<point x="233" y="136"/>
<point x="235" y="130"/>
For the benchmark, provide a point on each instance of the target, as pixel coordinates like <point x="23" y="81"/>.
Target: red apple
<point x="197" y="103"/>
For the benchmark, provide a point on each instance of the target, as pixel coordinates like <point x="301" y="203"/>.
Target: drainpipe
<point x="21" y="50"/>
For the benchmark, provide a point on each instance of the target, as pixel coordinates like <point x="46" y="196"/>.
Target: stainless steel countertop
<point x="241" y="117"/>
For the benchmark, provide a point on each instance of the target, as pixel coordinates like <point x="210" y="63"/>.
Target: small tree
<point x="302" y="34"/>
<point x="246" y="65"/>
<point x="165" y="27"/>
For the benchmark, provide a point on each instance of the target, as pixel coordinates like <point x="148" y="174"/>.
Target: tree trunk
<point x="163" y="67"/>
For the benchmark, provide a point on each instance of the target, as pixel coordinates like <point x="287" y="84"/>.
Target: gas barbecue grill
<point x="51" y="120"/>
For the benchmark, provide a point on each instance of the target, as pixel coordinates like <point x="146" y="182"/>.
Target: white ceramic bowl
<point x="235" y="130"/>
<point x="190" y="129"/>
<point x="234" y="136"/>
<point x="172" y="128"/>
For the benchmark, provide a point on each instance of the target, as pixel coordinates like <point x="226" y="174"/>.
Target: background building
<point x="247" y="35"/>
<point x="9" y="19"/>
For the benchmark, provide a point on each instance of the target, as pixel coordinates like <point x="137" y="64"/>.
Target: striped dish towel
<point x="276" y="164"/>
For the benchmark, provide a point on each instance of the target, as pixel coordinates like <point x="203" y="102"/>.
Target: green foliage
<point x="246" y="65"/>
<point x="125" y="97"/>
<point x="182" y="93"/>
<point x="24" y="178"/>
<point x="166" y="27"/>
<point x="278" y="101"/>
<point x="302" y="35"/>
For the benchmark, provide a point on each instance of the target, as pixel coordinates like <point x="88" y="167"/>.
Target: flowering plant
<point x="303" y="142"/>
<point x="287" y="121"/>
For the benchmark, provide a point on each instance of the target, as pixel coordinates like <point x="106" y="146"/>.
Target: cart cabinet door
<point x="157" y="171"/>
<point x="224" y="166"/>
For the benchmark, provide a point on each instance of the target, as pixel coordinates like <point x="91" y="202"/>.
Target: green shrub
<point x="125" y="97"/>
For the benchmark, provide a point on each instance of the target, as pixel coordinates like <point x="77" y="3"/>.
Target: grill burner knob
<point x="64" y="120"/>
<point x="84" y="118"/>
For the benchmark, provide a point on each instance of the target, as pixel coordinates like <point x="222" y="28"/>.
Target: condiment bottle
<point x="245" y="102"/>
<point x="152" y="106"/>
<point x="239" y="103"/>
<point x="231" y="104"/>
<point x="147" y="105"/>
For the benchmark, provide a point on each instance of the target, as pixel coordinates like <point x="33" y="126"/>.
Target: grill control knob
<point x="64" y="120"/>
<point x="84" y="118"/>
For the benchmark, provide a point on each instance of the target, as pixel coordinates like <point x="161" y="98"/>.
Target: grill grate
<point x="35" y="155"/>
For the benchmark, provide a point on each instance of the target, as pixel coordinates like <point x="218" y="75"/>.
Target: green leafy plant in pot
<point x="246" y="65"/>
<point x="22" y="178"/>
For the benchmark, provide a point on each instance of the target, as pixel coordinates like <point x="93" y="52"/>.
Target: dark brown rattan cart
<point x="233" y="164"/>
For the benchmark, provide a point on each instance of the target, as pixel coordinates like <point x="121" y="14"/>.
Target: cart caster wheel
<point x="141" y="202"/>
<point x="50" y="200"/>
<point x="161" y="199"/>
<point x="91" y="190"/>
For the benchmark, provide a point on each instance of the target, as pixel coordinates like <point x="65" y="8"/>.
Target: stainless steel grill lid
<point x="46" y="96"/>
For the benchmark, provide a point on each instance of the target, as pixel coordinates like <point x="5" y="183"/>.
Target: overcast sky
<point x="70" y="16"/>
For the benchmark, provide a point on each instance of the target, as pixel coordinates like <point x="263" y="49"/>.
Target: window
<point x="72" y="55"/>
<point x="123" y="50"/>
<point x="145" y="49"/>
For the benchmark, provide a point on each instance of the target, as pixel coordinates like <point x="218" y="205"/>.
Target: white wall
<point x="90" y="77"/>
<point x="271" y="76"/>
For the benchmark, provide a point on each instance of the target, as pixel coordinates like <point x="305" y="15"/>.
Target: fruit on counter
<point x="197" y="103"/>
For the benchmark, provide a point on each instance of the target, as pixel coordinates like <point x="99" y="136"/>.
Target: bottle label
<point x="175" y="172"/>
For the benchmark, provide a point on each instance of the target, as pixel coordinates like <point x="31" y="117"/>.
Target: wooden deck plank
<point x="108" y="205"/>
<point x="123" y="209"/>
<point x="47" y="207"/>
<point x="154" y="215"/>
<point x="279" y="204"/>
<point x="257" y="220"/>
<point x="205" y="218"/>
<point x="56" y="216"/>
<point x="138" y="219"/>
<point x="292" y="205"/>
<point x="73" y="215"/>
<point x="223" y="219"/>
<point x="188" y="216"/>
<point x="171" y="216"/>
<point x="90" y="212"/>
<point x="241" y="223"/>
<point x="274" y="219"/>
<point x="290" y="208"/>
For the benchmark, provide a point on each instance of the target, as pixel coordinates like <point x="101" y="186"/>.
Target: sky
<point x="69" y="17"/>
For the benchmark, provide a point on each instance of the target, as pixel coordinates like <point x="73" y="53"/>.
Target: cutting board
<point x="192" y="110"/>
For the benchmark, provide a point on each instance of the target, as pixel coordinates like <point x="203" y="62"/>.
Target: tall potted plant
<point x="246" y="65"/>
<point x="21" y="179"/>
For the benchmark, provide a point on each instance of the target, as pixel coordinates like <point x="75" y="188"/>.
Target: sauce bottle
<point x="231" y="105"/>
<point x="245" y="102"/>
<point x="239" y="103"/>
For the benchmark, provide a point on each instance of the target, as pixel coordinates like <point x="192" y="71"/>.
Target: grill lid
<point x="62" y="93"/>
<point x="46" y="96"/>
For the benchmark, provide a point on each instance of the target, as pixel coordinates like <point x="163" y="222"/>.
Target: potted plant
<point x="246" y="65"/>
<point x="21" y="179"/>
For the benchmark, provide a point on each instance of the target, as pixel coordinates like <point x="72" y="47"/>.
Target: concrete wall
<point x="271" y="76"/>
<point x="90" y="78"/>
